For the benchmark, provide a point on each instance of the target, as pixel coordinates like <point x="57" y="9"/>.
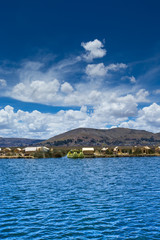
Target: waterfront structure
<point x="157" y="149"/>
<point x="35" y="149"/>
<point x="88" y="150"/>
<point x="145" y="149"/>
<point x="104" y="149"/>
<point x="17" y="150"/>
<point x="117" y="150"/>
<point x="7" y="150"/>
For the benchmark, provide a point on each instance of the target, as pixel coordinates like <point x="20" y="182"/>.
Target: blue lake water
<point x="116" y="198"/>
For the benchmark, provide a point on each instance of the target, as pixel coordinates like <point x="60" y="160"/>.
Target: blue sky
<point x="68" y="64"/>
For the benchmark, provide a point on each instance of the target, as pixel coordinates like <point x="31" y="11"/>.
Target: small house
<point x="104" y="149"/>
<point x="30" y="149"/>
<point x="6" y="150"/>
<point x="157" y="149"/>
<point x="117" y="150"/>
<point x="17" y="150"/>
<point x="35" y="149"/>
<point x="88" y="150"/>
<point x="145" y="149"/>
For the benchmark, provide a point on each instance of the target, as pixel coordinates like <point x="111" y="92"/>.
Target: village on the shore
<point x="84" y="152"/>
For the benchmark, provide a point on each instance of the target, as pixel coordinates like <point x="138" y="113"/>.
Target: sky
<point x="70" y="64"/>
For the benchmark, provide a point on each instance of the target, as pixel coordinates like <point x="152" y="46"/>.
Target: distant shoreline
<point x="91" y="156"/>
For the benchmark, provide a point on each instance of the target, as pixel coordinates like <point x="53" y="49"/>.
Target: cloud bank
<point x="98" y="90"/>
<point x="45" y="125"/>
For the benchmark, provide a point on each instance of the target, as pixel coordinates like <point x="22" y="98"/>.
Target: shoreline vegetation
<point x="85" y="152"/>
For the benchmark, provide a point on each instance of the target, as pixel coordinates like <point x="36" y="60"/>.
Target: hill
<point x="99" y="137"/>
<point x="17" y="142"/>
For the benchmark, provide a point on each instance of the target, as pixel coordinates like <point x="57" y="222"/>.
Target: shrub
<point x="75" y="155"/>
<point x="138" y="151"/>
<point x="81" y="155"/>
<point x="38" y="155"/>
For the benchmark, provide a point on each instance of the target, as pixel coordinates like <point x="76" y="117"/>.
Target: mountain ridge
<point x="80" y="137"/>
<point x="18" y="142"/>
<point x="99" y="137"/>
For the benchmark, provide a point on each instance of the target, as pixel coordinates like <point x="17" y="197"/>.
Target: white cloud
<point x="108" y="105"/>
<point x="3" y="83"/>
<point x="115" y="110"/>
<point x="100" y="70"/>
<point x="96" y="70"/>
<point x="142" y="95"/>
<point x="157" y="91"/>
<point x="107" y="109"/>
<point x="94" y="49"/>
<point x="66" y="88"/>
<point x="131" y="79"/>
<point x="148" y="119"/>
<point x="35" y="124"/>
<point x="41" y="87"/>
<point x="116" y="67"/>
<point x="37" y="91"/>
<point x="40" y="125"/>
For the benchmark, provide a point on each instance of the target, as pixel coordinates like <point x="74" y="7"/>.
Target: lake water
<point x="116" y="198"/>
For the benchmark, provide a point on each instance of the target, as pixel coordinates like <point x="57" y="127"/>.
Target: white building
<point x="88" y="150"/>
<point x="35" y="149"/>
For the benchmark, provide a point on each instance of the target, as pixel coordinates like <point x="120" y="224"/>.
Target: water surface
<point x="116" y="198"/>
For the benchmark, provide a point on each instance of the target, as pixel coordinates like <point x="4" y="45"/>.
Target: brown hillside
<point x="98" y="137"/>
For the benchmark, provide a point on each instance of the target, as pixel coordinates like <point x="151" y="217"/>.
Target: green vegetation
<point x="137" y="151"/>
<point x="75" y="154"/>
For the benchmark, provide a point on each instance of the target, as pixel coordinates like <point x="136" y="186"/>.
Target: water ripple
<point x="80" y="199"/>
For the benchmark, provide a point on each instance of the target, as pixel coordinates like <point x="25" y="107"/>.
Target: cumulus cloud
<point x="115" y="110"/>
<point x="96" y="70"/>
<point x="142" y="95"/>
<point x="148" y="119"/>
<point x="100" y="70"/>
<point x="37" y="91"/>
<point x="40" y="86"/>
<point x="36" y="124"/>
<point x="106" y="108"/>
<point x="94" y="49"/>
<point x="66" y="88"/>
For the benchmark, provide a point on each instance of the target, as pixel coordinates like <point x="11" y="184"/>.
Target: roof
<point x="9" y="149"/>
<point x="45" y="148"/>
<point x="87" y="149"/>
<point x="116" y="148"/>
<point x="104" y="149"/>
<point x="146" y="147"/>
<point x="34" y="149"/>
<point x="30" y="149"/>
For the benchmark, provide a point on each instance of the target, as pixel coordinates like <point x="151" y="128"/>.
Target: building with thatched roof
<point x="157" y="149"/>
<point x="7" y="149"/>
<point x="35" y="149"/>
<point x="145" y="150"/>
<point x="104" y="149"/>
<point x="88" y="150"/>
<point x="117" y="150"/>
